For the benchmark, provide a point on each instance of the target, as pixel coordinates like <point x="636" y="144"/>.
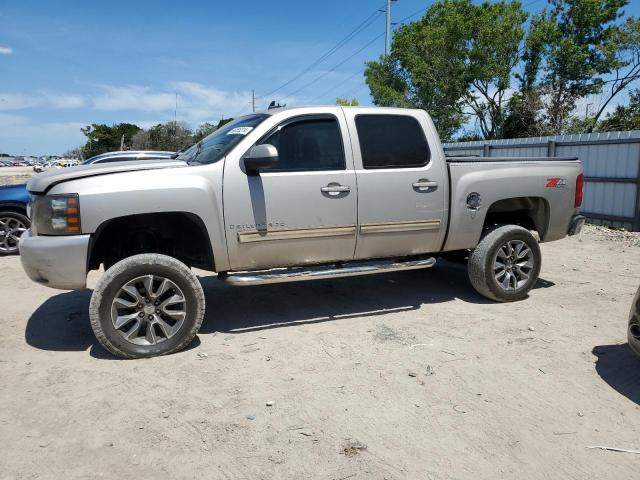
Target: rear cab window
<point x="391" y="141"/>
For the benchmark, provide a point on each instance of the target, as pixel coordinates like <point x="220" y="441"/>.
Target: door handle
<point x="424" y="184"/>
<point x="335" y="189"/>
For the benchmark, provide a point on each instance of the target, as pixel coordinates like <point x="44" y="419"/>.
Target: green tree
<point x="626" y="63"/>
<point x="624" y="117"/>
<point x="345" y="102"/>
<point x="172" y="136"/>
<point x="454" y="62"/>
<point x="204" y="130"/>
<point x="583" y="44"/>
<point x="102" y="138"/>
<point x="524" y="108"/>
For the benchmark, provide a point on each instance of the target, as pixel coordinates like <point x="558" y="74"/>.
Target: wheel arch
<point x="14" y="207"/>
<point x="531" y="213"/>
<point x="179" y="234"/>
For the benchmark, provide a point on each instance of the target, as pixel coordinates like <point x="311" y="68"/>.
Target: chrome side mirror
<point x="260" y="157"/>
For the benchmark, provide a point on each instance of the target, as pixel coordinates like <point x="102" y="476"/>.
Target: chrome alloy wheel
<point x="513" y="265"/>
<point x="148" y="310"/>
<point x="11" y="229"/>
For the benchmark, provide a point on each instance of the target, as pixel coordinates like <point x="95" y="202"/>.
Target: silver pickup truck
<point x="284" y="195"/>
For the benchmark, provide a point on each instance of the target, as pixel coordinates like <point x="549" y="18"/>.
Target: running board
<point x="322" y="273"/>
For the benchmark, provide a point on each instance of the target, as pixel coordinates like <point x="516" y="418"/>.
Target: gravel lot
<point x="13" y="175"/>
<point x="406" y="375"/>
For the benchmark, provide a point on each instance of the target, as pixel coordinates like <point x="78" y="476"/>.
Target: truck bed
<point x="550" y="180"/>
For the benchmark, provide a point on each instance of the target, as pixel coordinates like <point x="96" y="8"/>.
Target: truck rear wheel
<point x="146" y="305"/>
<point x="506" y="263"/>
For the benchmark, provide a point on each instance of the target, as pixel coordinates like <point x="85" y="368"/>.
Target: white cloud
<point x="20" y="135"/>
<point x="5" y="50"/>
<point x="64" y="101"/>
<point x="20" y="101"/>
<point x="196" y="102"/>
<point x="133" y="97"/>
<point x="16" y="101"/>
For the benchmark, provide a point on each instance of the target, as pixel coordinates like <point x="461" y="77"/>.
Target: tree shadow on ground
<point x="620" y="368"/>
<point x="61" y="323"/>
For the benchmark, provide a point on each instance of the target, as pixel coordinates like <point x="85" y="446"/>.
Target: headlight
<point x="56" y="214"/>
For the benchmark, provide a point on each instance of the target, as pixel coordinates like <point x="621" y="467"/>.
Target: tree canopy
<point x="171" y="136"/>
<point x="492" y="67"/>
<point x="345" y="102"/>
<point x="102" y="138"/>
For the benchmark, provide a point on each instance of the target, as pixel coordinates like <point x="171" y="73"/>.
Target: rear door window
<point x="391" y="141"/>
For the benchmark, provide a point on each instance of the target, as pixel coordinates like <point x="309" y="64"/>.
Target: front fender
<point x="196" y="190"/>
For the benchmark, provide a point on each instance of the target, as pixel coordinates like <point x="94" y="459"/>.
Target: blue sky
<point x="65" y="63"/>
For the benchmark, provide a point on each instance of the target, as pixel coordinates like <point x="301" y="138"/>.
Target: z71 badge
<point x="556" y="182"/>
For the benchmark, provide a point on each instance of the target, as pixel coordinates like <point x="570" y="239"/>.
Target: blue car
<point x="13" y="216"/>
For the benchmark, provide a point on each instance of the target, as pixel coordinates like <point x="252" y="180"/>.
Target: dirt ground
<point x="408" y="375"/>
<point x="13" y="175"/>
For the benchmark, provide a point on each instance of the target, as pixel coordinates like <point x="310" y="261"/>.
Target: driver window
<point x="314" y="144"/>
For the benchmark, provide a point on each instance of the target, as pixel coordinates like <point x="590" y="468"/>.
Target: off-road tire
<point x="124" y="271"/>
<point x="480" y="267"/>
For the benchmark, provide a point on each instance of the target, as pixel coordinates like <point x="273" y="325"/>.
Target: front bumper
<point x="577" y="222"/>
<point x="57" y="262"/>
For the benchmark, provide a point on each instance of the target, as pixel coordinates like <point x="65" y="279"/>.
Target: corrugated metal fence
<point x="611" y="164"/>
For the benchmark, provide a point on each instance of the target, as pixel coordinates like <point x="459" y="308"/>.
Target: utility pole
<point x="387" y="36"/>
<point x="175" y="112"/>
<point x="253" y="101"/>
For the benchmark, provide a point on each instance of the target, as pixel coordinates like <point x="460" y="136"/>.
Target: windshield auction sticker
<point x="239" y="131"/>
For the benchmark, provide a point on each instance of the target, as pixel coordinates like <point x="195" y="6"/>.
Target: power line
<point x="367" y="22"/>
<point x="335" y="87"/>
<point x="422" y="10"/>
<point x="417" y="12"/>
<point x="324" y="74"/>
<point x="361" y="27"/>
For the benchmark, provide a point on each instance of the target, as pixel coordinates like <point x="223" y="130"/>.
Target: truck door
<point x="303" y="210"/>
<point x="402" y="189"/>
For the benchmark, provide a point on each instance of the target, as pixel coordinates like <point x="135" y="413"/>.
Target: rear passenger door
<point x="401" y="184"/>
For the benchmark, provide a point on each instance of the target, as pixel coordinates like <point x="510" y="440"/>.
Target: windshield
<point x="215" y="146"/>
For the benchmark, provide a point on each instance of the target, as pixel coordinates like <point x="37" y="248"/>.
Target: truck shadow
<point x="62" y="322"/>
<point x="620" y="368"/>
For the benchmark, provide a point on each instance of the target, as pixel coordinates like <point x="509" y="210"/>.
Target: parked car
<point x="127" y="155"/>
<point x="634" y="324"/>
<point x="289" y="194"/>
<point x="14" y="198"/>
<point x="13" y="217"/>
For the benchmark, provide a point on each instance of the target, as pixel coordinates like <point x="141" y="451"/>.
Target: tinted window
<point x="391" y="141"/>
<point x="308" y="145"/>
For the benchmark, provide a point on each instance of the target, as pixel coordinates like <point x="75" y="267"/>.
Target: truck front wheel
<point x="146" y="305"/>
<point x="506" y="263"/>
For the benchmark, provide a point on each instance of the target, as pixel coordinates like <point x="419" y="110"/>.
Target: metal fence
<point x="611" y="164"/>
